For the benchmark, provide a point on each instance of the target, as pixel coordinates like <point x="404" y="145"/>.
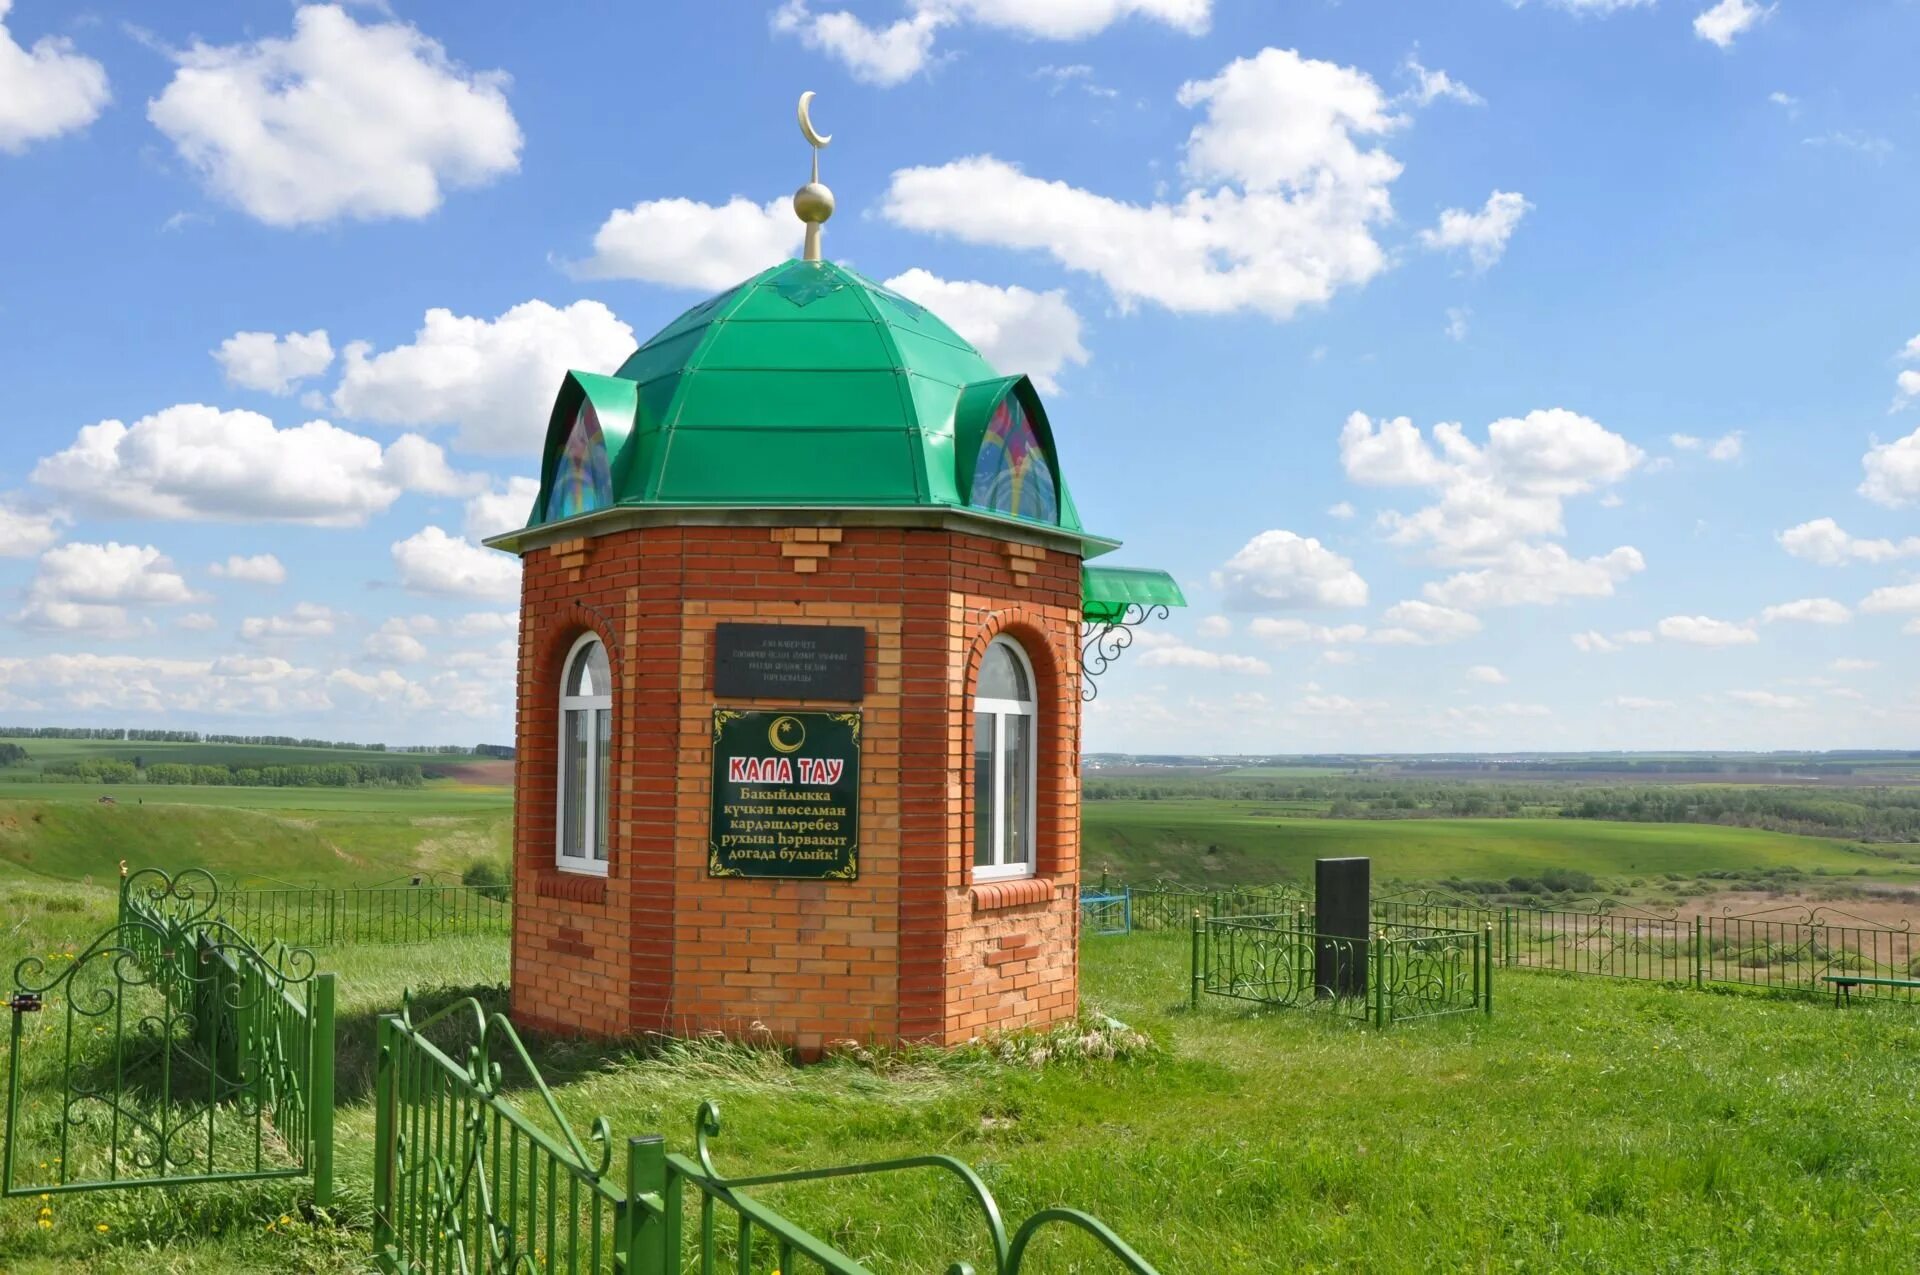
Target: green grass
<point x="1229" y="842"/>
<point x="335" y="836"/>
<point x="1590" y="1125"/>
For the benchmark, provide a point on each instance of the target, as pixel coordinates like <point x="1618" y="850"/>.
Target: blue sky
<point x="1492" y="375"/>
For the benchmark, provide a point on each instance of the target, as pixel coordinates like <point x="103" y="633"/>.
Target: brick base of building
<point x="914" y="949"/>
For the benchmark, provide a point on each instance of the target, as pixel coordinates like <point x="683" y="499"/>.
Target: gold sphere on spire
<point x="813" y="202"/>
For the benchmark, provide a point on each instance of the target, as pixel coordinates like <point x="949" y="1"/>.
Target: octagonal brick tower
<point x="799" y="683"/>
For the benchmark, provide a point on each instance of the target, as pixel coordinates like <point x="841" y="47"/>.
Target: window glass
<point x="1011" y="474"/>
<point x="1005" y="735"/>
<point x="1001" y="676"/>
<point x="573" y="796"/>
<point x="582" y="478"/>
<point x="983" y="807"/>
<point x="603" y="748"/>
<point x="1019" y="773"/>
<point x="590" y="675"/>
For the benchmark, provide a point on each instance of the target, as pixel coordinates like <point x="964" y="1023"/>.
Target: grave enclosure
<point x="803" y="601"/>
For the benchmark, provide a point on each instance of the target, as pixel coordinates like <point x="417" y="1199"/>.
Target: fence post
<point x="642" y="1228"/>
<point x="1199" y="975"/>
<point x="1509" y="939"/>
<point x="1486" y="987"/>
<point x="1376" y="978"/>
<point x="320" y="1089"/>
<point x="383" y="1129"/>
<point x="1699" y="955"/>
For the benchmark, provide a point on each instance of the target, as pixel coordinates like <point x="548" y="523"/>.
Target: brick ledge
<point x="990" y="896"/>
<point x="575" y="887"/>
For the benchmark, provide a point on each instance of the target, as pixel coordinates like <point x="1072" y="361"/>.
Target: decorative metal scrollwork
<point x="1104" y="641"/>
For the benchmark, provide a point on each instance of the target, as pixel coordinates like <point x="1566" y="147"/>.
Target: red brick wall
<point x="912" y="950"/>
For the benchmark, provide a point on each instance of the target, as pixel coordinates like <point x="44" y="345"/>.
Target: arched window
<point x="586" y="747"/>
<point x="1011" y="474"/>
<point x="1004" y="764"/>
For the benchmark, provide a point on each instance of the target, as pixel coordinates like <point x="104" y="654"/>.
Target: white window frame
<point x="1000" y="869"/>
<point x="588" y="704"/>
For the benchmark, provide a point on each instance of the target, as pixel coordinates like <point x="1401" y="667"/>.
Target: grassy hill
<point x="1228" y="842"/>
<point x="336" y="836"/>
<point x="45" y="752"/>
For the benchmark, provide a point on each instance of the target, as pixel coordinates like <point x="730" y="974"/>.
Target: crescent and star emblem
<point x="786" y="734"/>
<point x="814" y="139"/>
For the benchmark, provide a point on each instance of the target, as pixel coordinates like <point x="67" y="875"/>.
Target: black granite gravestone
<point x="1342" y="898"/>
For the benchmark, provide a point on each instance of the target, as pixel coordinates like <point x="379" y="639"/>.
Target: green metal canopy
<point x="808" y="385"/>
<point x="1107" y="592"/>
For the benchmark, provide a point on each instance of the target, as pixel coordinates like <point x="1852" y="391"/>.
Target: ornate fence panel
<point x="466" y="1181"/>
<point x="1793" y="948"/>
<point x="1167" y="906"/>
<point x="1105" y="913"/>
<point x="321" y="917"/>
<point x="1398" y="974"/>
<point x="169" y="1050"/>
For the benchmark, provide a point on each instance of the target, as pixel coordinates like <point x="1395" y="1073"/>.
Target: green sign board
<point x="786" y="795"/>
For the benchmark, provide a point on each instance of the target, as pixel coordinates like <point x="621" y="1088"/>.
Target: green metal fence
<point x="464" y="1180"/>
<point x="169" y="1050"/>
<point x="1168" y="906"/>
<point x="316" y="916"/>
<point x="1792" y="949"/>
<point x="1399" y="973"/>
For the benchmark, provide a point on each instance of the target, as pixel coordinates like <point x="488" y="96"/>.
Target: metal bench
<point x="1843" y="984"/>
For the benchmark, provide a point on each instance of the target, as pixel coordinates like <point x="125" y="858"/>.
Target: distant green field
<point x="43" y="752"/>
<point x="1250" y="841"/>
<point x="332" y="835"/>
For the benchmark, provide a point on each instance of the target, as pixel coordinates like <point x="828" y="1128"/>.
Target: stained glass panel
<point x="583" y="478"/>
<point x="1011" y="474"/>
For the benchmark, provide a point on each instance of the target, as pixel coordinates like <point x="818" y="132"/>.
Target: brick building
<point x="800" y="683"/>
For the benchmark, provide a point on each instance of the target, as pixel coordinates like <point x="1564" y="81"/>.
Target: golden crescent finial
<point x="814" y="139"/>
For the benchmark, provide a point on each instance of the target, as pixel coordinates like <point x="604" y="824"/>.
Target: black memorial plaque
<point x="1342" y="899"/>
<point x="790" y="661"/>
<point x="786" y="795"/>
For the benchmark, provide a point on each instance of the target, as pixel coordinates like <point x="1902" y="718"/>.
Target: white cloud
<point x="1808" y="611"/>
<point x="1014" y="329"/>
<point x="90" y="587"/>
<point x="1893" y="469"/>
<point x="1600" y="7"/>
<point x="274" y="364"/>
<point x="1911" y="350"/>
<point x="1290" y="632"/>
<point x="197" y="622"/>
<point x="156" y="684"/>
<point x="1823" y="541"/>
<point x="1785" y="100"/>
<point x="1700" y="630"/>
<point x="1728" y="19"/>
<point x="1537" y="575"/>
<point x="493" y="378"/>
<point x="683" y="243"/>
<point x="1907" y="387"/>
<point x="1766" y="699"/>
<point x="1483" y="234"/>
<point x="1509" y="489"/>
<point x="395" y="641"/>
<point x="1457" y="317"/>
<point x="194" y="462"/>
<point x="885" y="56"/>
<point x="45" y="90"/>
<point x="1593" y="642"/>
<point x="485" y="623"/>
<point x="1178" y="654"/>
<point x="1727" y="447"/>
<point x="1278" y="570"/>
<point x="1892" y="598"/>
<point x="894" y="53"/>
<point x="259" y="568"/>
<point x="492" y="512"/>
<point x="1849" y="665"/>
<point x="1487" y="674"/>
<point x="338" y="120"/>
<point x="1281" y="212"/>
<point x="1429" y="623"/>
<point x="1214" y="626"/>
<point x="433" y="562"/>
<point x="1430" y="86"/>
<point x="307" y="619"/>
<point x="24" y="532"/>
<point x="1342" y="510"/>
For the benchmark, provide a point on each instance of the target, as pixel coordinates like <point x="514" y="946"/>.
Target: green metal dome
<point x="806" y="386"/>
